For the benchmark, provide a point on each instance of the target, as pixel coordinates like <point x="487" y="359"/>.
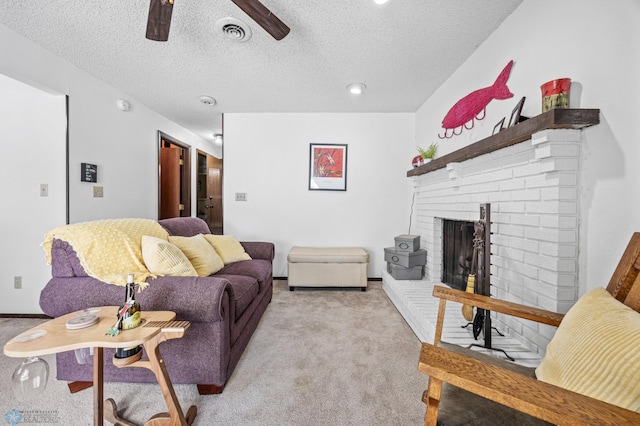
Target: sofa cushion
<point x="185" y="226"/>
<point x="259" y="269"/>
<point x="245" y="290"/>
<point x="596" y="351"/>
<point x="229" y="249"/>
<point x="163" y="258"/>
<point x="200" y="253"/>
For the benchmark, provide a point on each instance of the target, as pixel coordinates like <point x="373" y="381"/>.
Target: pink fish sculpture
<point x="474" y="105"/>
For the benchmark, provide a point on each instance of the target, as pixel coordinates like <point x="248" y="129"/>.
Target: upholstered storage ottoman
<point x="327" y="267"/>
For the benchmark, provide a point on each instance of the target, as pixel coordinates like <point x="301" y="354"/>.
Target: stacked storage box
<point x="405" y="260"/>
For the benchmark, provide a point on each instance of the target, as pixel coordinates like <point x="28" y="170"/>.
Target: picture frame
<point x="327" y="167"/>
<point x="499" y="126"/>
<point x="515" y="114"/>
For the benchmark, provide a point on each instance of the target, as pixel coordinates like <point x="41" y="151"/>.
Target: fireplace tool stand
<point x="482" y="246"/>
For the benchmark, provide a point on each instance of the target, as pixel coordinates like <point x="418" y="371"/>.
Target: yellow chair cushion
<point x="200" y="253"/>
<point x="163" y="258"/>
<point x="596" y="351"/>
<point x="229" y="249"/>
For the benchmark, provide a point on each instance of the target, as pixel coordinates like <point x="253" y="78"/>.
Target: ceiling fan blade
<point x="263" y="17"/>
<point x="159" y="20"/>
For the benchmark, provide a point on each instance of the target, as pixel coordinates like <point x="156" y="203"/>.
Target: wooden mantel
<point x="553" y="119"/>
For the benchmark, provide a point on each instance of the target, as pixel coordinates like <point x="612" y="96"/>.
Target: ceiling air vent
<point x="234" y="29"/>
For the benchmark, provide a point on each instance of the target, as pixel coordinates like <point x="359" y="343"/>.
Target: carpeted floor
<point x="318" y="357"/>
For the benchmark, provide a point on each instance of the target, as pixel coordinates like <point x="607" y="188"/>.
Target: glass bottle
<point x="132" y="318"/>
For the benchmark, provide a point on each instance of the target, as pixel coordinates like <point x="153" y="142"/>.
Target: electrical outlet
<point x="44" y="190"/>
<point x="17" y="282"/>
<point x="97" y="192"/>
<point x="241" y="196"/>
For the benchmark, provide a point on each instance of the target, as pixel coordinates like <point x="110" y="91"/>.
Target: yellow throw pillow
<point x="229" y="249"/>
<point x="200" y="253"/>
<point x="596" y="351"/>
<point x="163" y="258"/>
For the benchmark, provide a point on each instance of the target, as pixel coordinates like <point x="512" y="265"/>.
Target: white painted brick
<point x="511" y="253"/>
<point x="548" y="303"/>
<point x="527" y="195"/>
<point x="557" y="278"/>
<point x="512" y="230"/>
<point x="514" y="207"/>
<point x="531" y="169"/>
<point x="556" y="135"/>
<point x="525" y="245"/>
<point x="558" y="250"/>
<point x="512" y="185"/>
<point x="499" y="217"/>
<point x="561" y="222"/>
<point x="552" y="207"/>
<point x="548" y="149"/>
<point x="559" y="193"/>
<point x="552" y="179"/>
<point x="555" y="164"/>
<point x="526" y="219"/>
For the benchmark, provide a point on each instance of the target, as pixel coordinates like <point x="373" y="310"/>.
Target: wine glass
<point x="30" y="378"/>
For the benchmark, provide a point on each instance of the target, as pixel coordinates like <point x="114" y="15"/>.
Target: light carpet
<point x="318" y="357"/>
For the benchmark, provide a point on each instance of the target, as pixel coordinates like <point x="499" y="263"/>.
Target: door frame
<point x="185" y="174"/>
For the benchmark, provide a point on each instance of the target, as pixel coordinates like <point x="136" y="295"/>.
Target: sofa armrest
<point x="259" y="249"/>
<point x="191" y="298"/>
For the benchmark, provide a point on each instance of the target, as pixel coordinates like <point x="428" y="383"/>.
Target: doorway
<point x="174" y="182"/>
<point x="209" y="180"/>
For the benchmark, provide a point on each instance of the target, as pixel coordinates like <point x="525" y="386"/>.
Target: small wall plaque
<point x="88" y="172"/>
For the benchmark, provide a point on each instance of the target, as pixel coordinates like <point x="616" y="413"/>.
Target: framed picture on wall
<point x="327" y="167"/>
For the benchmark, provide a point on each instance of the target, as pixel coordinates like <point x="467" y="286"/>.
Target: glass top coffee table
<point x="158" y="326"/>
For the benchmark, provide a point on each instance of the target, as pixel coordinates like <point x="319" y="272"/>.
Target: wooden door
<point x="210" y="191"/>
<point x="170" y="182"/>
<point x="214" y="193"/>
<point x="174" y="178"/>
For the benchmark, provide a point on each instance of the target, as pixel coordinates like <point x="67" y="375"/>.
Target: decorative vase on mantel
<point x="555" y="94"/>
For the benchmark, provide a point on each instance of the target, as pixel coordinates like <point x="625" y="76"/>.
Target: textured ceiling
<point x="402" y="51"/>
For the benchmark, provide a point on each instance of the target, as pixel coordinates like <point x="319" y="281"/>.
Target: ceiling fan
<point x="160" y="18"/>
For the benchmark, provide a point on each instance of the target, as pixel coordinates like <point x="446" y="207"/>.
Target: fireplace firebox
<point x="457" y="252"/>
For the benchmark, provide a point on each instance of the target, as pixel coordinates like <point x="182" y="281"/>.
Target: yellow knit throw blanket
<point x="108" y="249"/>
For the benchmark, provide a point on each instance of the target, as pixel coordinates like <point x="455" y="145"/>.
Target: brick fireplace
<point x="533" y="188"/>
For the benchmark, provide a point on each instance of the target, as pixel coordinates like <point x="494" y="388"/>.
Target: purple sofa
<point x="224" y="310"/>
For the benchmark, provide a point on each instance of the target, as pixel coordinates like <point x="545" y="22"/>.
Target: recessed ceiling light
<point x="217" y="138"/>
<point x="380" y="1"/>
<point x="356" y="88"/>
<point x="207" y="100"/>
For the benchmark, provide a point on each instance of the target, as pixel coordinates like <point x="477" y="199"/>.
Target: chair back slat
<point x="625" y="282"/>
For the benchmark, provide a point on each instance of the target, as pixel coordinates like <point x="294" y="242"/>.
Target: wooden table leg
<point x="98" y="388"/>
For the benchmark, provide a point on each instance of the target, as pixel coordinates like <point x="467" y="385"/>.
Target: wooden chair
<point x="511" y="389"/>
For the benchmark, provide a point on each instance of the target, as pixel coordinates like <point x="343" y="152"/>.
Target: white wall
<point x="267" y="156"/>
<point x="595" y="43"/>
<point x="124" y="145"/>
<point x="30" y="118"/>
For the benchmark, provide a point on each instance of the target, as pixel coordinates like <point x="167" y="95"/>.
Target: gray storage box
<point x="406" y="259"/>
<point x="401" y="273"/>
<point x="408" y="243"/>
